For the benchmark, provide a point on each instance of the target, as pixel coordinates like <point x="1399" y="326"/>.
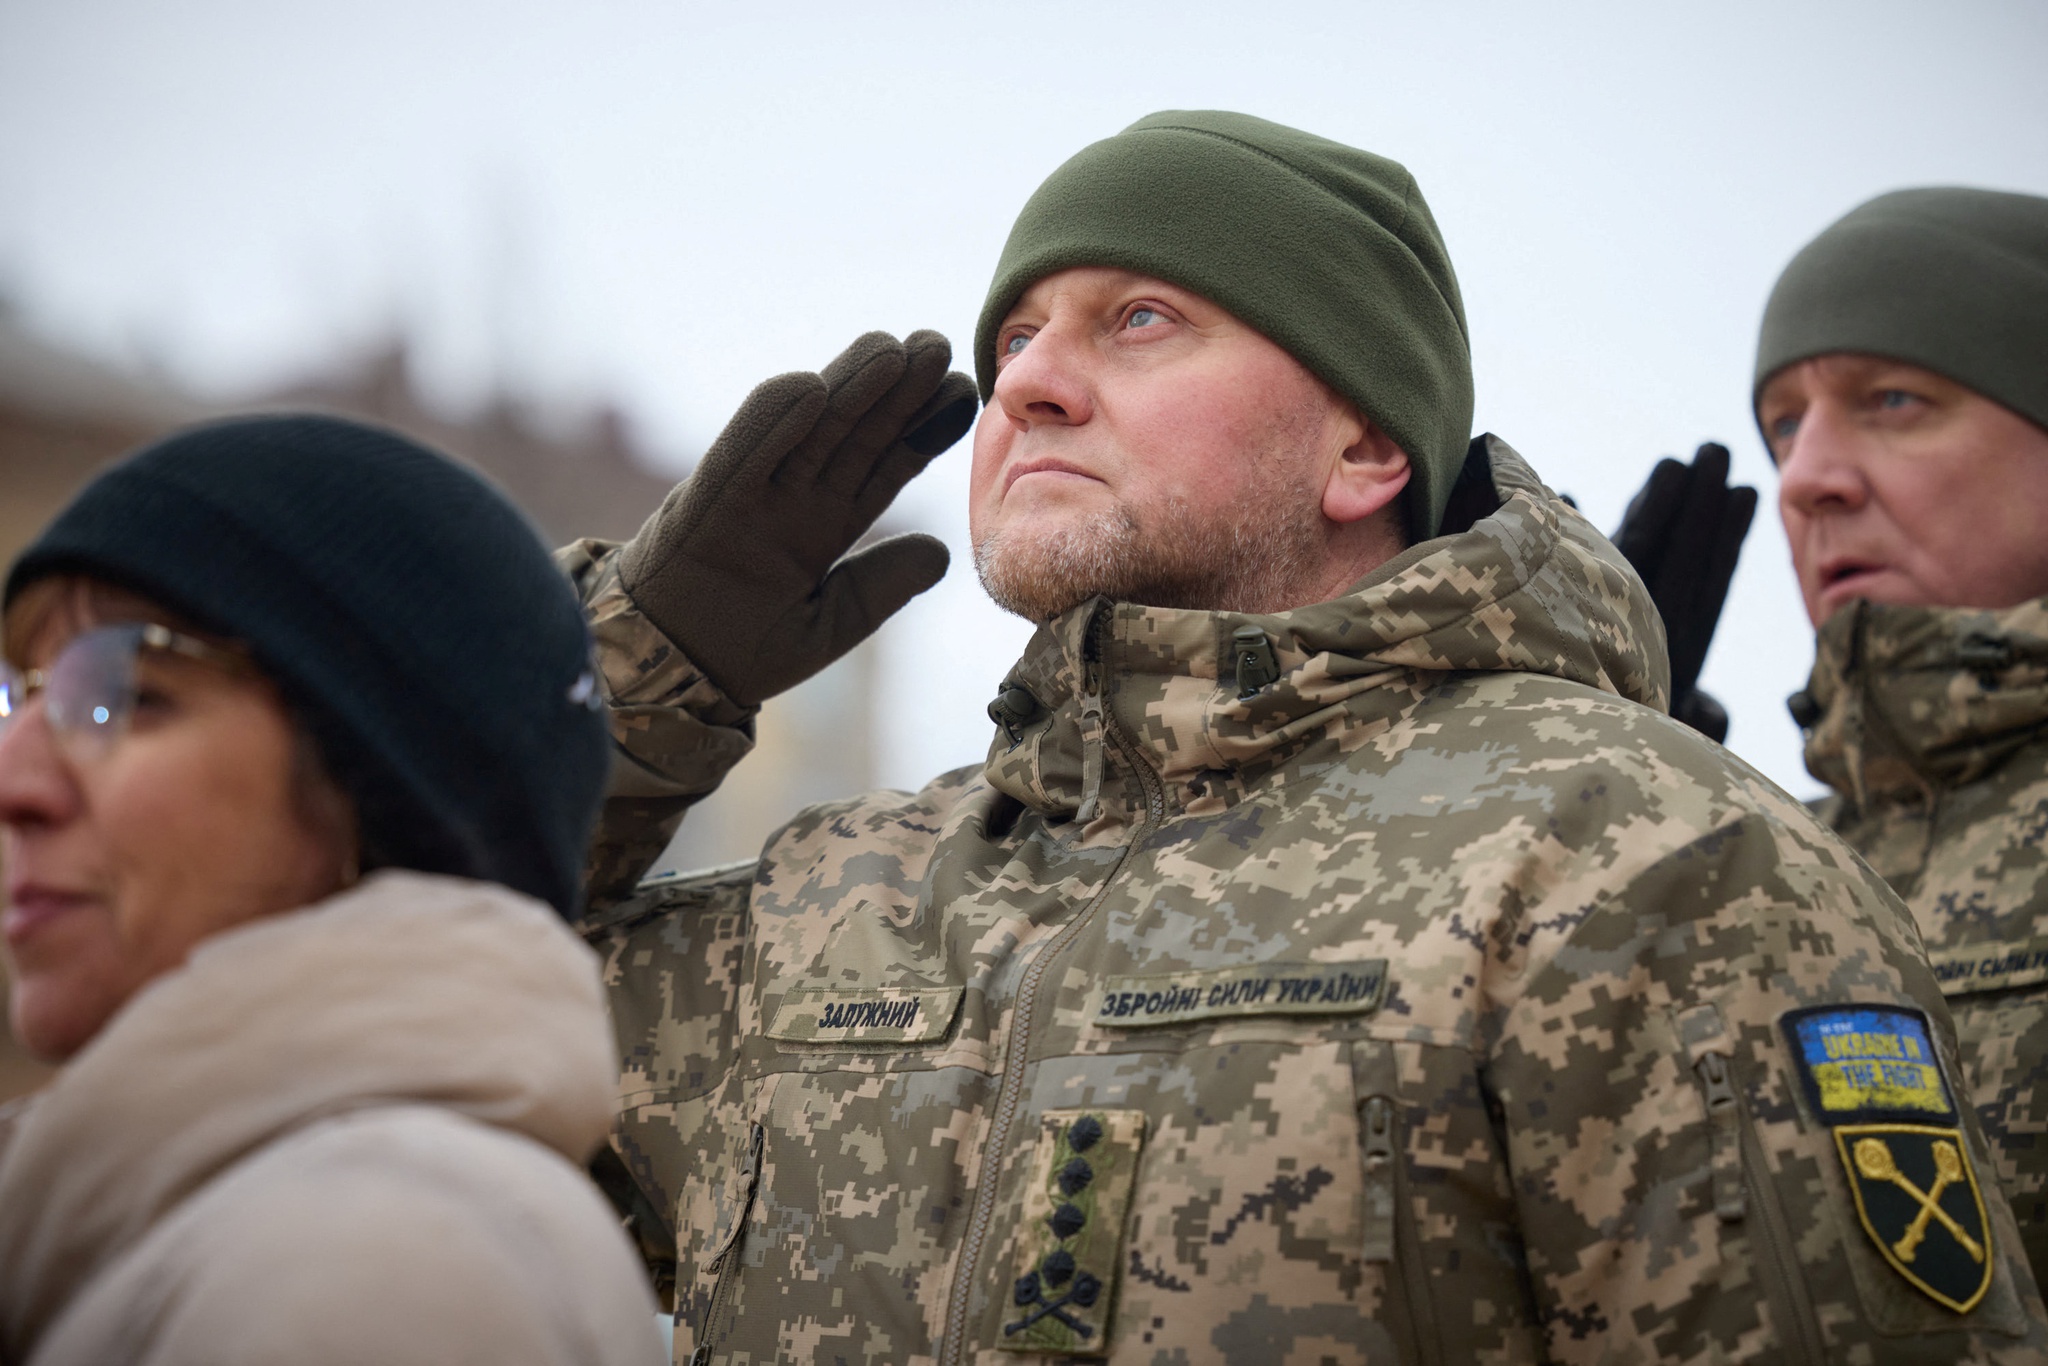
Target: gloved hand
<point x="742" y="564"/>
<point x="1683" y="533"/>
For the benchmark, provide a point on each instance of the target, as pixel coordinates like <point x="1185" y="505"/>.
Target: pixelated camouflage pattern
<point x="1583" y="907"/>
<point x="1933" y="733"/>
<point x="676" y="734"/>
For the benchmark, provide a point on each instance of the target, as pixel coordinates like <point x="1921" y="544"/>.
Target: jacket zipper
<point x="1741" y="1187"/>
<point x="726" y="1266"/>
<point x="953" y="1349"/>
<point x="1724" y="1120"/>
<point x="1391" y="1238"/>
<point x="1780" y="1264"/>
<point x="1414" y="1275"/>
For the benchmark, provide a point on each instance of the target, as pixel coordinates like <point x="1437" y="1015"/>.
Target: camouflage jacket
<point x="1385" y="980"/>
<point x="1931" y="725"/>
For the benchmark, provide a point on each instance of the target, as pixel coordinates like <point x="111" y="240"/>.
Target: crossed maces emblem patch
<point x="1874" y="1077"/>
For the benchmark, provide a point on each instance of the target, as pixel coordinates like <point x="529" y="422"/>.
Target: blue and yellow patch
<point x="1873" y="1075"/>
<point x="1868" y="1063"/>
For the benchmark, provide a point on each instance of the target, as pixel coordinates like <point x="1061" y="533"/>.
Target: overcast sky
<point x="659" y="204"/>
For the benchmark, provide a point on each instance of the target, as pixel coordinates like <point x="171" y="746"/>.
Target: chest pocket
<point x="876" y="984"/>
<point x="865" y="1015"/>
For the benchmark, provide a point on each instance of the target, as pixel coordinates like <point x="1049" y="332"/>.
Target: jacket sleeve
<point x="673" y="957"/>
<point x="1682" y="1195"/>
<point x="674" y="734"/>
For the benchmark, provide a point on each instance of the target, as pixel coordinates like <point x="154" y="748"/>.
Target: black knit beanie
<point x="407" y="611"/>
<point x="1327" y="250"/>
<point x="1951" y="280"/>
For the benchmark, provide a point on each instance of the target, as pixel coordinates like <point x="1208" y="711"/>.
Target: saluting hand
<point x="745" y="564"/>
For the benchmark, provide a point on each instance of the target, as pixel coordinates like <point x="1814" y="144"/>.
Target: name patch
<point x="883" y="1015"/>
<point x="1863" y="1063"/>
<point x="1270" y="989"/>
<point x="1990" y="967"/>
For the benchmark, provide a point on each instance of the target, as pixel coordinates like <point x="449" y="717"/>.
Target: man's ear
<point x="1366" y="476"/>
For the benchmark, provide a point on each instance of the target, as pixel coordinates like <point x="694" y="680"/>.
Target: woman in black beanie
<point x="299" y="752"/>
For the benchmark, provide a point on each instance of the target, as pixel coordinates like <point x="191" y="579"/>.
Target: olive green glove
<point x="742" y="564"/>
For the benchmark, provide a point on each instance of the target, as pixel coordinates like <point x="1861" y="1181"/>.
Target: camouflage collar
<point x="1905" y="701"/>
<point x="1116" y="709"/>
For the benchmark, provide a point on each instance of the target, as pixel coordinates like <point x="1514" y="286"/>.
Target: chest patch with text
<point x="881" y="1015"/>
<point x="1990" y="967"/>
<point x="1220" y="993"/>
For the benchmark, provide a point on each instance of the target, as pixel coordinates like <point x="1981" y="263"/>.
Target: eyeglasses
<point x="90" y="688"/>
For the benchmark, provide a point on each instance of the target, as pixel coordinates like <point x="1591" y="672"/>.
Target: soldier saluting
<point x="1339" y="955"/>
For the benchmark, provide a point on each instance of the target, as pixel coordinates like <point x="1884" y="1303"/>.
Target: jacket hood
<point x="406" y="989"/>
<point x="1906" y="701"/>
<point x="1215" y="700"/>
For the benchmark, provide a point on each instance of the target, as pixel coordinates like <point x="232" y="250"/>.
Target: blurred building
<point x="64" y="416"/>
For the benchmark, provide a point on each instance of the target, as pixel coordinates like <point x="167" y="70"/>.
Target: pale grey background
<point x="662" y="203"/>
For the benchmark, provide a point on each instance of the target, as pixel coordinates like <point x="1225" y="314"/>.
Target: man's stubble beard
<point x="1268" y="556"/>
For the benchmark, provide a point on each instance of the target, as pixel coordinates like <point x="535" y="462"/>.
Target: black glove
<point x="741" y="565"/>
<point x="1683" y="533"/>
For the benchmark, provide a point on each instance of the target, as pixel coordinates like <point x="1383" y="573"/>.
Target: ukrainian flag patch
<point x="1868" y="1062"/>
<point x="1872" y="1074"/>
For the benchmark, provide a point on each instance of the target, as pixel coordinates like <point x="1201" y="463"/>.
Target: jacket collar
<point x="1906" y="701"/>
<point x="1120" y="711"/>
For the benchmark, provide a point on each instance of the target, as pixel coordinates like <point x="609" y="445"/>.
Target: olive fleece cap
<point x="1327" y="250"/>
<point x="1951" y="280"/>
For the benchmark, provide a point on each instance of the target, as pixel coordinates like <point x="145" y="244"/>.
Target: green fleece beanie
<point x="1951" y="280"/>
<point x="1327" y="250"/>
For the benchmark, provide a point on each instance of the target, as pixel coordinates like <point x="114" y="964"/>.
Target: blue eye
<point x="1015" y="344"/>
<point x="1785" y="428"/>
<point x="1144" y="317"/>
<point x="1894" y="398"/>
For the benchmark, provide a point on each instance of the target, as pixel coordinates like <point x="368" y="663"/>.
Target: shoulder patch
<point x="1874" y="1077"/>
<point x="1873" y="1062"/>
<point x="1272" y="989"/>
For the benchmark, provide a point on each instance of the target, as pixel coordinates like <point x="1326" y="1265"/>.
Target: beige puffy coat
<point x="346" y="1134"/>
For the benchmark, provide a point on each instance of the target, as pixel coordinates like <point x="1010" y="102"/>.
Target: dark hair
<point x="72" y="604"/>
